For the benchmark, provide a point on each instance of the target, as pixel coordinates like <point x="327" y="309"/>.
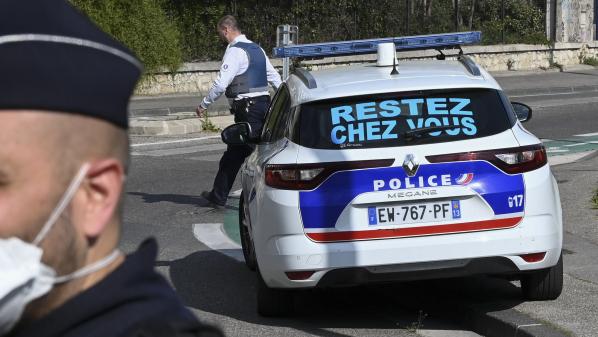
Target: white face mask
<point x="24" y="277"/>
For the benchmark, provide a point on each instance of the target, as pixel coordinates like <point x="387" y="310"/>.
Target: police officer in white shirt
<point x="244" y="76"/>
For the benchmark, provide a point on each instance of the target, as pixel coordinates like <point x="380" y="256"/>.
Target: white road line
<point x="576" y="144"/>
<point x="524" y="325"/>
<point x="235" y="194"/>
<point x="212" y="235"/>
<point x="587" y="135"/>
<point x="180" y="150"/>
<point x="175" y="141"/>
<point x="446" y="332"/>
<point x="556" y="151"/>
<point x="567" y="158"/>
<point x="549" y="94"/>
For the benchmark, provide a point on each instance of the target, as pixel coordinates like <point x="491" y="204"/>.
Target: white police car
<point x="364" y="176"/>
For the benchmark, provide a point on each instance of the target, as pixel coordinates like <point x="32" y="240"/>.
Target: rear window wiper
<point x="425" y="132"/>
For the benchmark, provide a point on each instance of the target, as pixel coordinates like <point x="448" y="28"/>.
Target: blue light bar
<point x="433" y="41"/>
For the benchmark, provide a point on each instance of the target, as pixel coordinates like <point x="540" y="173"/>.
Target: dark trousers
<point x="252" y="111"/>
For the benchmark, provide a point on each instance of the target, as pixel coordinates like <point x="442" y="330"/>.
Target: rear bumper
<point x="283" y="246"/>
<point x="435" y="256"/>
<point x="418" y="271"/>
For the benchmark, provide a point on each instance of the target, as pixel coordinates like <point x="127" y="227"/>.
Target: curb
<point x="215" y="111"/>
<point x="509" y="322"/>
<point x="179" y="124"/>
<point x="552" y="91"/>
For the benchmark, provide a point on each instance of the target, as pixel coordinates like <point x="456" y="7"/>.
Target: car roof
<point x="364" y="79"/>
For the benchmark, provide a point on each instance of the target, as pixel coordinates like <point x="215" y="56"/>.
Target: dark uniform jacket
<point x="132" y="301"/>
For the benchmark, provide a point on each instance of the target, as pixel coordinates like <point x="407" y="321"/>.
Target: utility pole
<point x="286" y="35"/>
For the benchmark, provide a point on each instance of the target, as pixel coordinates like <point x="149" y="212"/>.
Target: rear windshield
<point x="382" y="120"/>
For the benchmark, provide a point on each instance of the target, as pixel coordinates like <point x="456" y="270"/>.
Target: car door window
<point x="273" y="128"/>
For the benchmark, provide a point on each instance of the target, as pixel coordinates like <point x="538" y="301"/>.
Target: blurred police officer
<point x="243" y="77"/>
<point x="63" y="128"/>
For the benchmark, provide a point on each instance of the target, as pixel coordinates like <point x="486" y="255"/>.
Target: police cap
<point x="53" y="58"/>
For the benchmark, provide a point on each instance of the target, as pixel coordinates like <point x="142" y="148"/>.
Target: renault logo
<point x="410" y="165"/>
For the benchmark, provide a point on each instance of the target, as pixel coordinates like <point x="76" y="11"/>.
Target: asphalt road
<point x="166" y="179"/>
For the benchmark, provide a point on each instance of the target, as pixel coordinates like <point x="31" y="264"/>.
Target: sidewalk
<point x="174" y="114"/>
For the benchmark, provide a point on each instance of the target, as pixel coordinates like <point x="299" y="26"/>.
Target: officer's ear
<point x="97" y="205"/>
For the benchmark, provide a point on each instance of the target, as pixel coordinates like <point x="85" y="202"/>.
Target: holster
<point x="240" y="108"/>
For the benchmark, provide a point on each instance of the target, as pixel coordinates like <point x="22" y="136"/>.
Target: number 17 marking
<point x="515" y="201"/>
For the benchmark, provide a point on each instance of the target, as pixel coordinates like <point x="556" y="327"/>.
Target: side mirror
<point x="522" y="111"/>
<point x="237" y="134"/>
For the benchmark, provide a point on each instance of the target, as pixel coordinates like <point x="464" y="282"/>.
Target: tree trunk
<point x="429" y="9"/>
<point x="471" y="14"/>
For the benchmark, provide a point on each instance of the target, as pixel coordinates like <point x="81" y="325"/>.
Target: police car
<point x="396" y="171"/>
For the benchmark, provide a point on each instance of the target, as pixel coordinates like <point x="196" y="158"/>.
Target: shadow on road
<point x="177" y="199"/>
<point x="212" y="282"/>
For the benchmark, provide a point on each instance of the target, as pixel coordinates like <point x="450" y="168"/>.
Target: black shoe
<point x="208" y="201"/>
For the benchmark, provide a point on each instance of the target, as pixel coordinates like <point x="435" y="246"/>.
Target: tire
<point x="246" y="242"/>
<point x="273" y="302"/>
<point x="545" y="284"/>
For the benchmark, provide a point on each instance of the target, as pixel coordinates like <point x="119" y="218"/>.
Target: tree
<point x="141" y="25"/>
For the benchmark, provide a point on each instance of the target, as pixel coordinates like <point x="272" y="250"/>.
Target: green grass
<point x="595" y="200"/>
<point x="417" y="325"/>
<point x="591" y="61"/>
<point x="207" y="125"/>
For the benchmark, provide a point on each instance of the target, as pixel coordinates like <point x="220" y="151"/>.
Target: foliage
<point x="207" y="125"/>
<point x="414" y="327"/>
<point x="196" y="20"/>
<point x="320" y="21"/>
<point x="164" y="32"/>
<point x="522" y="22"/>
<point x="595" y="199"/>
<point x="141" y="25"/>
<point x="591" y="61"/>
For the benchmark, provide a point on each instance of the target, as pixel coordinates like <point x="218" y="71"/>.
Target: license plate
<point x="414" y="213"/>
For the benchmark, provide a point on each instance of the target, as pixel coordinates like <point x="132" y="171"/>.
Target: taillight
<point x="299" y="275"/>
<point x="510" y="160"/>
<point x="309" y="176"/>
<point x="534" y="257"/>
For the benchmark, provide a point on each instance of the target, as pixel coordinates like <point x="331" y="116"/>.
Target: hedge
<point x="320" y="21"/>
<point x="142" y="25"/>
<point x="165" y="32"/>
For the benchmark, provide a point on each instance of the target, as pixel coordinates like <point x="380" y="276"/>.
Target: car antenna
<point x="394" y="65"/>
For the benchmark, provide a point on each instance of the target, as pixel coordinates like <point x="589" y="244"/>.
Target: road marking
<point x="526" y="325"/>
<point x="180" y="150"/>
<point x="556" y="150"/>
<point x="212" y="235"/>
<point x="566" y="93"/>
<point x="567" y="158"/>
<point x="235" y="194"/>
<point x="587" y="135"/>
<point x="577" y="144"/>
<point x="450" y="332"/>
<point x="174" y="141"/>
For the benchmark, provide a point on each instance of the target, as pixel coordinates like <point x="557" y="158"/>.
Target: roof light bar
<point x="434" y="41"/>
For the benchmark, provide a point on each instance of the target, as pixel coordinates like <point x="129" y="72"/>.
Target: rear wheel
<point x="272" y="302"/>
<point x="246" y="242"/>
<point x="545" y="284"/>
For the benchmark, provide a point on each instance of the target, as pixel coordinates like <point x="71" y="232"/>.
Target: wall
<point x="198" y="77"/>
<point x="574" y="20"/>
